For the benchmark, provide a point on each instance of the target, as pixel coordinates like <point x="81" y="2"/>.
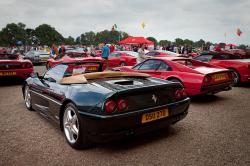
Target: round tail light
<point x="110" y="106"/>
<point x="122" y="104"/>
<point x="180" y="94"/>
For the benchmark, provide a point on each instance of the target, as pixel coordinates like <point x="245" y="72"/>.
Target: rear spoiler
<point x="83" y="78"/>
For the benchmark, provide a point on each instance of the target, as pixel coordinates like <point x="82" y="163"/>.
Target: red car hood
<point x="208" y="70"/>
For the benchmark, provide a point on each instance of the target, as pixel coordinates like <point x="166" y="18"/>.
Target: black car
<point x="102" y="106"/>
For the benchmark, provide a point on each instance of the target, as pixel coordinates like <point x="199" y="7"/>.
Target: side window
<point x="222" y="57"/>
<point x="164" y="67"/>
<point x="204" y="58"/>
<point x="137" y="66"/>
<point x="150" y="65"/>
<point x="151" y="54"/>
<point x="115" y="54"/>
<point x="56" y="73"/>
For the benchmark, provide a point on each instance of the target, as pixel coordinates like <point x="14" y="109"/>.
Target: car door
<point x="47" y="92"/>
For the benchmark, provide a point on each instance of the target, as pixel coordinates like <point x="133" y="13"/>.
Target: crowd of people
<point x="57" y="51"/>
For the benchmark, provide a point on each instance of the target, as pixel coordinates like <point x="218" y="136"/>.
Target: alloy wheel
<point x="71" y="125"/>
<point x="27" y="97"/>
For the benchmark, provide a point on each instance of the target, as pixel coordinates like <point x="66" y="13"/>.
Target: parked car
<point x="162" y="53"/>
<point x="103" y="106"/>
<point x="240" y="67"/>
<point x="37" y="57"/>
<point x="196" y="77"/>
<point x="12" y="65"/>
<point x="71" y="57"/>
<point x="121" y="58"/>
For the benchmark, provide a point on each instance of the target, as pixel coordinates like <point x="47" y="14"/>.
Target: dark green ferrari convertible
<point x="91" y="105"/>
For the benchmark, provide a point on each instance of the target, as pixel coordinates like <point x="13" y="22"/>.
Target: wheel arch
<point x="176" y="78"/>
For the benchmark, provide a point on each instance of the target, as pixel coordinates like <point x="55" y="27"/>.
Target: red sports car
<point x="121" y="58"/>
<point x="15" y="66"/>
<point x="162" y="53"/>
<point x="237" y="52"/>
<point x="71" y="57"/>
<point x="240" y="67"/>
<point x="198" y="78"/>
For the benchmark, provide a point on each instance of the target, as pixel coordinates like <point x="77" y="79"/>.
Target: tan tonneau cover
<point x="83" y="78"/>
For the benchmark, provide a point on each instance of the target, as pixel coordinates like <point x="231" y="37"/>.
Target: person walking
<point x="141" y="54"/>
<point x="105" y="54"/>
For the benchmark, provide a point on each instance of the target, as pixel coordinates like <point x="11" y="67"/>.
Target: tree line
<point x="44" y="34"/>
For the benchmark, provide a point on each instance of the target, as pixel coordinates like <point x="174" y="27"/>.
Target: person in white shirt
<point x="141" y="54"/>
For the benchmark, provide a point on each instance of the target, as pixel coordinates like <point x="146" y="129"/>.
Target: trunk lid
<point x="208" y="70"/>
<point x="141" y="93"/>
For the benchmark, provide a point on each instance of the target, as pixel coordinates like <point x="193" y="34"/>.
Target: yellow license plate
<point x="219" y="77"/>
<point x="92" y="68"/>
<point x="148" y="117"/>
<point x="7" y="73"/>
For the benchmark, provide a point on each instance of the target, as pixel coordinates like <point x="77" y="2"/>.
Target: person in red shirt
<point x="112" y="48"/>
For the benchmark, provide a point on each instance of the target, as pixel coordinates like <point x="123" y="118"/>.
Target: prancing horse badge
<point x="154" y="98"/>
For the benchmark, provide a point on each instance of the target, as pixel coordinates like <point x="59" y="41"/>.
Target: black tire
<point x="123" y="64"/>
<point x="81" y="141"/>
<point x="236" y="77"/>
<point x="27" y="98"/>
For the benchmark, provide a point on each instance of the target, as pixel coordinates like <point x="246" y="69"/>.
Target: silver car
<point x="37" y="56"/>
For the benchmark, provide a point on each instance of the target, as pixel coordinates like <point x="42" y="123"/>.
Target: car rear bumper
<point x="23" y="73"/>
<point x="217" y="88"/>
<point x="103" y="129"/>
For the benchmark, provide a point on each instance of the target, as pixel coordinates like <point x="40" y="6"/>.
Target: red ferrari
<point x="121" y="58"/>
<point x="71" y="57"/>
<point x="12" y="65"/>
<point x="240" y="67"/>
<point x="198" y="78"/>
<point x="162" y="53"/>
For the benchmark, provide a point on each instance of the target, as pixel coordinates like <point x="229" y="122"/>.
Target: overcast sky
<point x="164" y="19"/>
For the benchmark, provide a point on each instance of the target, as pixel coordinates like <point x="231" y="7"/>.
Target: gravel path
<point x="215" y="132"/>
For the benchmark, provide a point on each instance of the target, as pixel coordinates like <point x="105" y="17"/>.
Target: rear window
<point x="77" y="55"/>
<point x="8" y="56"/>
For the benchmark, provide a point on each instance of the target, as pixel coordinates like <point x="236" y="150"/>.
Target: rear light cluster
<point x="180" y="94"/>
<point x="207" y="80"/>
<point x="112" y="106"/>
<point x="26" y="65"/>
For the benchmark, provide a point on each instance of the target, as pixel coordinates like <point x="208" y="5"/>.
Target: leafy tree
<point x="90" y="38"/>
<point x="12" y="33"/>
<point x="179" y="42"/>
<point x="199" y="43"/>
<point x="47" y="35"/>
<point x="153" y="40"/>
<point x="188" y="42"/>
<point x="164" y="42"/>
<point x="242" y="46"/>
<point x="69" y="41"/>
